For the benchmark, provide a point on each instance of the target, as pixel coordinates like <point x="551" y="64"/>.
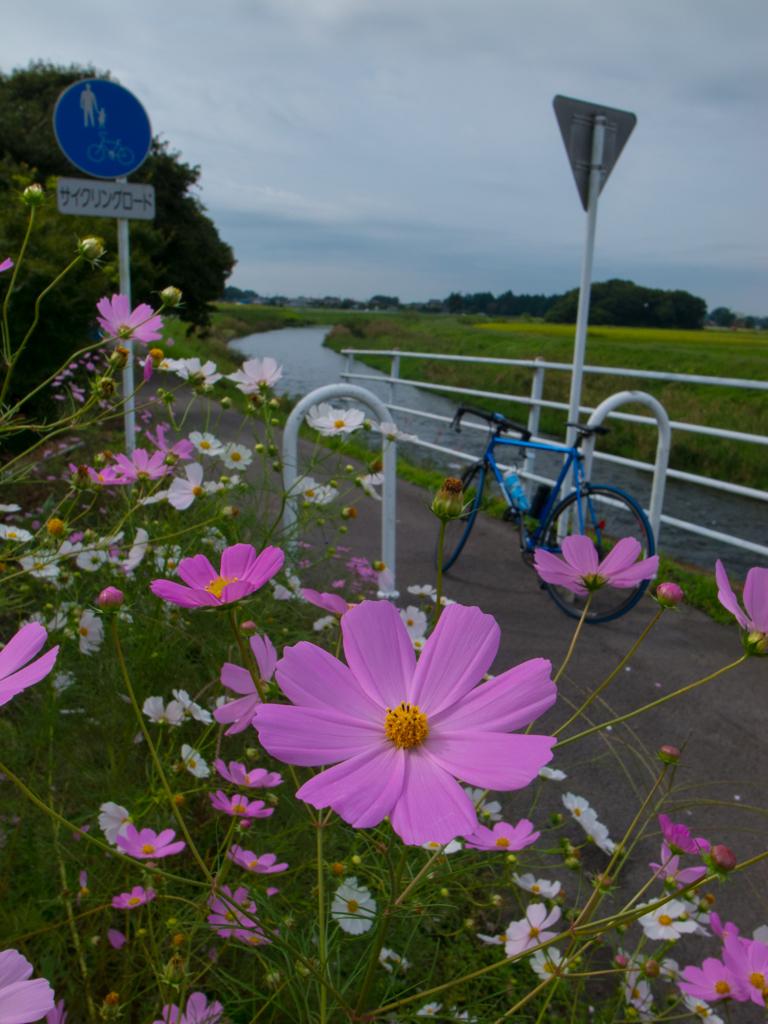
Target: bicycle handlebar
<point x="494" y="419"/>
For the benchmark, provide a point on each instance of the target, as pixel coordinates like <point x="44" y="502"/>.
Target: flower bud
<point x="669" y="595"/>
<point x="669" y="755"/>
<point x="258" y="448"/>
<point x="277" y="466"/>
<point x="756" y="643"/>
<point x="230" y="512"/>
<point x="170" y="296"/>
<point x="157" y="355"/>
<point x="170" y="459"/>
<point x="110" y="599"/>
<point x="444" y="892"/>
<point x="376" y="466"/>
<point x="175" y="969"/>
<point x="253" y="753"/>
<point x="652" y="968"/>
<point x="497" y="900"/>
<point x="226" y="403"/>
<point x="342" y="529"/>
<point x="349" y="469"/>
<point x="81" y="478"/>
<point x="723" y="858"/>
<point x="104" y="387"/>
<point x="349" y="512"/>
<point x="620" y="961"/>
<point x="448" y="503"/>
<point x="178" y="799"/>
<point x="119" y="358"/>
<point x="33" y="195"/>
<point x="248" y="628"/>
<point x="178" y="940"/>
<point x="55" y="527"/>
<point x="356" y="860"/>
<point x="367" y="424"/>
<point x="511" y="858"/>
<point x="274" y="403"/>
<point x="91" y="248"/>
<point x="572" y="863"/>
<point x="379" y="566"/>
<point x="337" y="868"/>
<point x="272" y="980"/>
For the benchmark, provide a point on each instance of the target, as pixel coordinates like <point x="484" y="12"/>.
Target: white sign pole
<point x="124" y="255"/>
<point x="585" y="288"/>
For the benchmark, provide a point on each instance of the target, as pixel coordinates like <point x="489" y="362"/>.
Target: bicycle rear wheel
<point x="457" y="531"/>
<point x="609" y="515"/>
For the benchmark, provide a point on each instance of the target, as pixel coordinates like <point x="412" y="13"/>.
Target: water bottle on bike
<point x="515" y="491"/>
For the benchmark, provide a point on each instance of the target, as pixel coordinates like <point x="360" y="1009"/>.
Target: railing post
<point x="537" y="393"/>
<point x="350" y="362"/>
<point x="394" y="372"/>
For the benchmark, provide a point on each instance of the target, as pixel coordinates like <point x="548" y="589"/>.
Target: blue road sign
<point x="102" y="128"/>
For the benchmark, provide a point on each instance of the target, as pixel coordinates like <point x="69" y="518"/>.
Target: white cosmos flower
<point x="182" y="492"/>
<point x="580" y="809"/>
<point x="444" y="601"/>
<point x="415" y="621"/>
<point x="10" y="508"/>
<point x="40" y="566"/>
<point x="538" y="886"/>
<point x="427" y="590"/>
<point x="418" y="643"/>
<point x="393" y="432"/>
<point x="545" y="961"/>
<point x="91" y="561"/>
<point x="552" y="773"/>
<point x="212" y="535"/>
<point x="761" y="934"/>
<point x="387" y="955"/>
<point x="206" y="443"/>
<point x="14" y="534"/>
<point x="531" y="931"/>
<point x="167" y="557"/>
<point x="192" y="710"/>
<point x="308" y="489"/>
<point x="62" y="681"/>
<point x="451" y="847"/>
<point x="598" y="833"/>
<point x="113" y="820"/>
<point x="194" y="763"/>
<point x="137" y="552"/>
<point x="353" y="907"/>
<point x="488" y="809"/>
<point x="429" y="1010"/>
<point x="189" y="368"/>
<point x="292" y="590"/>
<point x="237" y="456"/>
<point x="326" y="622"/>
<point x="329" y="421"/>
<point x="639" y="995"/>
<point x="493" y="940"/>
<point x="90" y="631"/>
<point x="156" y="711"/>
<point x="702" y="1010"/>
<point x="369" y="481"/>
<point x="256" y="374"/>
<point x="665" y="922"/>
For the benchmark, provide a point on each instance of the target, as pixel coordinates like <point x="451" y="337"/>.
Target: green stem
<point x="653" y="704"/>
<point x="575" y="638"/>
<point x="321" y="920"/>
<point x="440" y="546"/>
<point x="6" y="329"/>
<point x="613" y="675"/>
<point x="383" y="929"/>
<point x="247" y="660"/>
<point x="155" y="758"/>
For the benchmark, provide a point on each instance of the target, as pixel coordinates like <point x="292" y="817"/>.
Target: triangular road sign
<point x="576" y="119"/>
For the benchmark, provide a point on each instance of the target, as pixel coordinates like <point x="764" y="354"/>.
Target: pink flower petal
<point x="329" y="602"/>
<point x="726" y="596"/>
<point x="116" y="938"/>
<point x="308" y="736"/>
<point x="620" y="557"/>
<point x="197" y="572"/>
<point x="13" y="685"/>
<point x="312" y="677"/>
<point x="236" y="678"/>
<point x="379" y="652"/>
<point x="455" y="658"/>
<point x="265" y="654"/>
<point x="26" y="1001"/>
<point x="21" y="647"/>
<point x="185" y="597"/>
<point x="13" y="967"/>
<point x="510" y="701"/>
<point x="362" y="790"/>
<point x="240" y="712"/>
<point x="432" y="806"/>
<point x="236" y="591"/>
<point x="756" y="598"/>
<point x="492" y="760"/>
<point x="557" y="572"/>
<point x="579" y="551"/>
<point x="636" y="573"/>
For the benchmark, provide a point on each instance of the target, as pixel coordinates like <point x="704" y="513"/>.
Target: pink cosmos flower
<point x="240" y="712"/>
<point x="142" y="466"/>
<point x="239" y="805"/>
<point x="403" y="732"/>
<point x="198" y="1011"/>
<point x="183" y="492"/>
<point x="115" y="938"/>
<point x="6" y="264"/>
<point x="183" y="449"/>
<point x="242" y="573"/>
<point x="240" y="777"/>
<point x="255" y="374"/>
<point x="531" y="931"/>
<point x="147" y="843"/>
<point x="137" y="897"/>
<point x="22" y="1000"/>
<point x="582" y="570"/>
<point x="230" y="922"/>
<point x="148" y="369"/>
<point x="755" y="598"/>
<point x="712" y="981"/>
<point x="670" y="868"/>
<point x="748" y="959"/>
<point x="263" y="865"/>
<point x="503" y="837"/>
<point x="17" y="652"/>
<point x="678" y="838"/>
<point x="118" y="321"/>
<point x="102" y="477"/>
<point x="328" y="602"/>
<point x="720" y="929"/>
<point x="57" y="1015"/>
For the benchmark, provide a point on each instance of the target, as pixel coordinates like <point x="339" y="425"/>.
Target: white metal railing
<point x="536" y="403"/>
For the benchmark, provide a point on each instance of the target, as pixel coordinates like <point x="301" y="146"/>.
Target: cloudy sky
<point x="409" y="147"/>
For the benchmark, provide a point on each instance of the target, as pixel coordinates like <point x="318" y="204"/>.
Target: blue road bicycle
<point x="605" y="514"/>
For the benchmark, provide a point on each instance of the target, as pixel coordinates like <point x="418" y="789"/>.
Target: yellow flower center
<point x="197" y="491"/>
<point x="216" y="586"/>
<point x="353" y="906"/>
<point x="147" y="848"/>
<point x="635" y="993"/>
<point x="253" y="865"/>
<point x="254" y="939"/>
<point x="239" y="808"/>
<point x="533" y="932"/>
<point x="502" y="841"/>
<point x="310" y="494"/>
<point x="549" y="968"/>
<point x="665" y="919"/>
<point x="134" y="901"/>
<point x="192" y="764"/>
<point x="12" y="534"/>
<point x="205" y="444"/>
<point x="722" y="988"/>
<point x="535" y="888"/>
<point x="230" y="915"/>
<point x="142" y="475"/>
<point x="577" y="812"/>
<point x="594" y="581"/>
<point x="235" y="456"/>
<point x="338" y="424"/>
<point x="410" y="622"/>
<point x="84" y="891"/>
<point x="83" y="631"/>
<point x="758" y="980"/>
<point x="406" y="726"/>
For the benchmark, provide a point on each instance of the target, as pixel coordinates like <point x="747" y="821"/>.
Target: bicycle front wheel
<point x="457" y="531"/>
<point x="609" y="515"/>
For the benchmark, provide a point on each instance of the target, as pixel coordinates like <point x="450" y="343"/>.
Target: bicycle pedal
<point x="510" y="514"/>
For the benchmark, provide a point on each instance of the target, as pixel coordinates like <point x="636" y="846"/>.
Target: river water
<point x="307" y="365"/>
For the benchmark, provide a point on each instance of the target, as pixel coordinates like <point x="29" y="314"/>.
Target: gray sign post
<point x="594" y="137"/>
